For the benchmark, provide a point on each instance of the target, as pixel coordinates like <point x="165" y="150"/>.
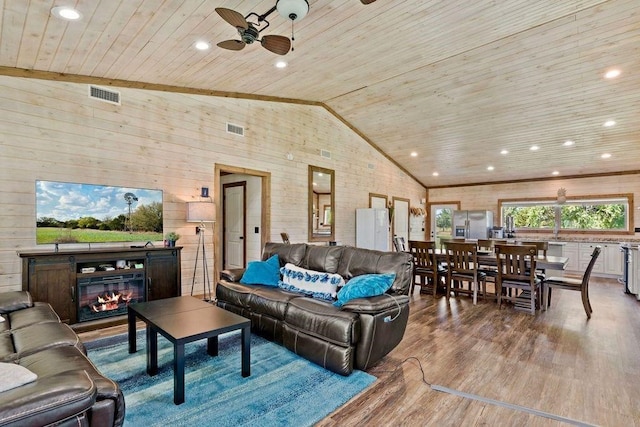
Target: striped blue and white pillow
<point x="316" y="284"/>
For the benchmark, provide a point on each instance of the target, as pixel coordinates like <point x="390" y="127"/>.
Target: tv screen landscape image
<point x="86" y="213"/>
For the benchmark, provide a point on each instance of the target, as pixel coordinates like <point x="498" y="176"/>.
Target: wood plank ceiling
<point x="454" y="81"/>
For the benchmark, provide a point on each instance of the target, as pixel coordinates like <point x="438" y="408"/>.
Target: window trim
<point x="594" y="197"/>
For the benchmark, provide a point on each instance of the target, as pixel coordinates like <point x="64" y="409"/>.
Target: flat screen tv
<point x="86" y="213"/>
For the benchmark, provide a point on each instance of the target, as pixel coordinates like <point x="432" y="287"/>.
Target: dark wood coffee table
<point x="182" y="320"/>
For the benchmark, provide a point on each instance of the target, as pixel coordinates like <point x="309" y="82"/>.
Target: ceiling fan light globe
<point x="294" y="10"/>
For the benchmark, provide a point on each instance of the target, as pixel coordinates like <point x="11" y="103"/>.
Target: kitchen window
<point x="593" y="214"/>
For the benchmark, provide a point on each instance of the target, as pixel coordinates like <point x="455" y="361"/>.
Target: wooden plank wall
<point x="486" y="196"/>
<point x="170" y="141"/>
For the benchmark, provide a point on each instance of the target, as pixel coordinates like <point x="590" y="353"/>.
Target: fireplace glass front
<point x="107" y="296"/>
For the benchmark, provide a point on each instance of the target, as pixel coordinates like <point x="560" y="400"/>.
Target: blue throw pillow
<point x="365" y="285"/>
<point x="262" y="272"/>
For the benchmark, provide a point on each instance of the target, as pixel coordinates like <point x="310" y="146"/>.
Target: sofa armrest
<point x="48" y="400"/>
<point x="232" y="274"/>
<point x="16" y="300"/>
<point x="377" y="304"/>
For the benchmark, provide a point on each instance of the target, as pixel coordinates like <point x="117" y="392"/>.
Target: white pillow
<point x="316" y="284"/>
<point x="14" y="376"/>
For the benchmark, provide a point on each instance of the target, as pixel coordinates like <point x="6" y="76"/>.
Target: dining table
<point x="488" y="258"/>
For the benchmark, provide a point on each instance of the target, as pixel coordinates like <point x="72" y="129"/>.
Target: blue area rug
<point x="283" y="389"/>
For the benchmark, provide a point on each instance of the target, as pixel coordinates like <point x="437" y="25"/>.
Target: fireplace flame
<point x="111" y="301"/>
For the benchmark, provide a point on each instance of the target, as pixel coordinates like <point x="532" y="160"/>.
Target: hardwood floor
<point x="556" y="362"/>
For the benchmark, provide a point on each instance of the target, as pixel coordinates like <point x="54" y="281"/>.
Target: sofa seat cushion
<point x="39" y="313"/>
<point x="35" y="338"/>
<point x="321" y="319"/>
<point x="270" y="301"/>
<point x="52" y="361"/>
<point x="56" y="400"/>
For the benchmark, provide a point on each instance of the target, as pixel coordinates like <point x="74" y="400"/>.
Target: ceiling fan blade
<point x="276" y="44"/>
<point x="367" y="1"/>
<point x="232" y="17"/>
<point x="232" y="44"/>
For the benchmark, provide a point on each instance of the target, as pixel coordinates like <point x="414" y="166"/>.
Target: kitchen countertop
<point x="571" y="239"/>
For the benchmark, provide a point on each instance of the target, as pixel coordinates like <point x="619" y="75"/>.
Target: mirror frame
<point x="373" y="196"/>
<point x="314" y="237"/>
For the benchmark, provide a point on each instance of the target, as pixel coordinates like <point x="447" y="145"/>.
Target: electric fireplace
<point x="107" y="296"/>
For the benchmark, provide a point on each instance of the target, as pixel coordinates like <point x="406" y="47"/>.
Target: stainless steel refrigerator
<point x="472" y="224"/>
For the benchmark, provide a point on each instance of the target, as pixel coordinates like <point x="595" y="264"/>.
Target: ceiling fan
<point x="250" y="31"/>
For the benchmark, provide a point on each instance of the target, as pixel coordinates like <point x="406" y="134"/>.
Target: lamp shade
<point x="201" y="212"/>
<point x="294" y="10"/>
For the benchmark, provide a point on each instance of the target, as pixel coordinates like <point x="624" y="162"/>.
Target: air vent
<point x="105" y="95"/>
<point x="235" y="129"/>
<point x="326" y="154"/>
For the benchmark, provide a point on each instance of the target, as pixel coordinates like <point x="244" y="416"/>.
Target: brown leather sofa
<point x="68" y="390"/>
<point x="355" y="336"/>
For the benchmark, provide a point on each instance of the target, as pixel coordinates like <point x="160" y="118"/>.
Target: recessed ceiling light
<point x="609" y="123"/>
<point x="65" y="12"/>
<point x="555" y="173"/>
<point x="606" y="155"/>
<point x="568" y="143"/>
<point x="202" y="45"/>
<point x="504" y="152"/>
<point x="534" y="148"/>
<point x="612" y="74"/>
<point x="281" y="64"/>
<point x="414" y="154"/>
<point x="490" y="168"/>
<point x="435" y="174"/>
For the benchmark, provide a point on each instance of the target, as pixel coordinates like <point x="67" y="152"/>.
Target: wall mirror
<point x="321" y="204"/>
<point x="378" y="201"/>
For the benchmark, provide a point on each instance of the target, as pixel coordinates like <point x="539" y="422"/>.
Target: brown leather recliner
<point x="68" y="390"/>
<point x="355" y="336"/>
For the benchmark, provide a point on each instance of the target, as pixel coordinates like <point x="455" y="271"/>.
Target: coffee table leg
<point x="246" y="351"/>
<point x="152" y="351"/>
<point x="212" y="346"/>
<point x="131" y="316"/>
<point x="178" y="373"/>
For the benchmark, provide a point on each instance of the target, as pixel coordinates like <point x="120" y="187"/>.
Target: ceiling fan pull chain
<point x="292" y="36"/>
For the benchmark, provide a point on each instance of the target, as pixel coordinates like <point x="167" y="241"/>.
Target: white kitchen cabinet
<point x="571" y="250"/>
<point x="613" y="259"/>
<point x="586" y="249"/>
<point x="609" y="263"/>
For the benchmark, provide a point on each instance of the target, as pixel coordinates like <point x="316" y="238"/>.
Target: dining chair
<point x="462" y="266"/>
<point x="491" y="271"/>
<point x="485" y="245"/>
<point x="426" y="266"/>
<point x="542" y="248"/>
<point x="573" y="284"/>
<point x="444" y="240"/>
<point x="514" y="282"/>
<point x="399" y="244"/>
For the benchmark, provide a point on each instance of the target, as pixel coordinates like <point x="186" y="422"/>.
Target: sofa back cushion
<point x="356" y="261"/>
<point x="323" y="258"/>
<point x="293" y="253"/>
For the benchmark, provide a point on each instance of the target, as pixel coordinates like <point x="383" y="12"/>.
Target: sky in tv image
<point x="67" y="201"/>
